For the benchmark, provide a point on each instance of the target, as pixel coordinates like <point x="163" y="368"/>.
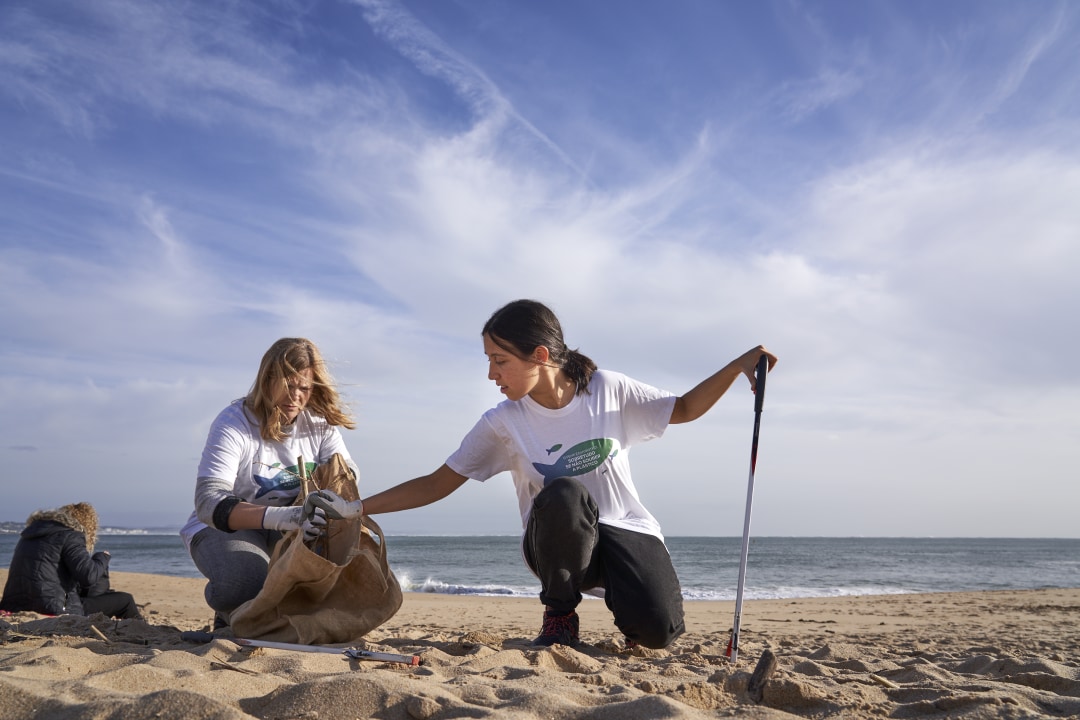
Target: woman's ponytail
<point x="579" y="368"/>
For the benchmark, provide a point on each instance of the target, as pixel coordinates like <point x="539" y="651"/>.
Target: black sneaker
<point x="561" y="629"/>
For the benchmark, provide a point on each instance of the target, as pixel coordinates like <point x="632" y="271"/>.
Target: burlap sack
<point x="336" y="593"/>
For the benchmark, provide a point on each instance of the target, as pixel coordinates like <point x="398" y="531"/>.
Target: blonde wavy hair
<point x="85" y="515"/>
<point x="283" y="361"/>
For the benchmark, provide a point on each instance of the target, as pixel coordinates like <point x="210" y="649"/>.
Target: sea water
<point x="708" y="568"/>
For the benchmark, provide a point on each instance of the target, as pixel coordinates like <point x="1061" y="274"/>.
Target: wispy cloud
<point x="493" y="112"/>
<point x="803" y="99"/>
<point x="1018" y="67"/>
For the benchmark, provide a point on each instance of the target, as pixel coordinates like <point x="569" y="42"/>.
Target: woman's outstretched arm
<point x="697" y="402"/>
<point x="415" y="493"/>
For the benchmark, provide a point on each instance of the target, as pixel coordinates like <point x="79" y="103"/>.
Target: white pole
<point x="759" y="399"/>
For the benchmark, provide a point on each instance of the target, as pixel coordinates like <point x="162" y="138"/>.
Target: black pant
<point x="112" y="603"/>
<point x="571" y="551"/>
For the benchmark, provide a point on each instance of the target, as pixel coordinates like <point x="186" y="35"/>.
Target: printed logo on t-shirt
<point x="578" y="460"/>
<point x="283" y="486"/>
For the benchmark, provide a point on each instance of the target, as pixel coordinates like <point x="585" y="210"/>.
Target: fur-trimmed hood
<point x="80" y="517"/>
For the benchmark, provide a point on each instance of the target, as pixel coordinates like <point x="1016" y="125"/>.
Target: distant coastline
<point x="14" y="528"/>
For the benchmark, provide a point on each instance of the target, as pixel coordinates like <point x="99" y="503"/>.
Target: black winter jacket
<point x="49" y="565"/>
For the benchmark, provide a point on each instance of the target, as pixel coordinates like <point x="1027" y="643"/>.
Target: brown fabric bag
<point x="335" y="594"/>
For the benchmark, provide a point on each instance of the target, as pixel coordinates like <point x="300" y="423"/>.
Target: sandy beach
<point x="1009" y="654"/>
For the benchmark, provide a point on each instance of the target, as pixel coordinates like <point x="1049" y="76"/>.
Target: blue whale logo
<point x="282" y="486"/>
<point x="578" y="460"/>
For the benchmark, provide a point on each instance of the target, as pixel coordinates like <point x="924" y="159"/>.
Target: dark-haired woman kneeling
<point x="564" y="433"/>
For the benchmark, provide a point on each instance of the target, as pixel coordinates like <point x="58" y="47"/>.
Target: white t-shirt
<point x="259" y="471"/>
<point x="589" y="440"/>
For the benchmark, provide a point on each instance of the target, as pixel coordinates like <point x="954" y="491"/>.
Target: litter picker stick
<point x="759" y="400"/>
<point x="354" y="653"/>
<point x="318" y="545"/>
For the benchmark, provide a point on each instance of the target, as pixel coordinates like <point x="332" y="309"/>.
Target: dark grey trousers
<point x="571" y="551"/>
<point x="235" y="564"/>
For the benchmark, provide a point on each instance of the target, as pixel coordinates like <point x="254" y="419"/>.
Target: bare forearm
<point x="704" y="395"/>
<point x="246" y="516"/>
<point x="415" y="493"/>
<point x="698" y="401"/>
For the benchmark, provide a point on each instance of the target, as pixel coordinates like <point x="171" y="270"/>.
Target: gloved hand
<point x="283" y="518"/>
<point x="314" y="525"/>
<point x="311" y="519"/>
<point x="333" y="505"/>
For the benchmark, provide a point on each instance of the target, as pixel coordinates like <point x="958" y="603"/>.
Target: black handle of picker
<point x="759" y="383"/>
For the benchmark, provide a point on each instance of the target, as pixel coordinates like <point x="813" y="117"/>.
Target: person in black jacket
<point x="52" y="570"/>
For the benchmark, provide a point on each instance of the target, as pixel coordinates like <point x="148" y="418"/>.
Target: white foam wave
<point x="431" y="585"/>
<point x="788" y="593"/>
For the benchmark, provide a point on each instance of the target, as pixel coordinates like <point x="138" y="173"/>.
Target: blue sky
<point x="883" y="193"/>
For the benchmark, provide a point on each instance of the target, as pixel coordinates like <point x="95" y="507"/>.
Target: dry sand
<point x="1010" y="654"/>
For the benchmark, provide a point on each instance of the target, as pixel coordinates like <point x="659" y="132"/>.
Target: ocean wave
<point x="792" y="593"/>
<point x="440" y="587"/>
<point x="430" y="585"/>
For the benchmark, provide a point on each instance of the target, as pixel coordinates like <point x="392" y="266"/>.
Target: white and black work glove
<point x="285" y="519"/>
<point x="335" y="506"/>
<point x="314" y="525"/>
